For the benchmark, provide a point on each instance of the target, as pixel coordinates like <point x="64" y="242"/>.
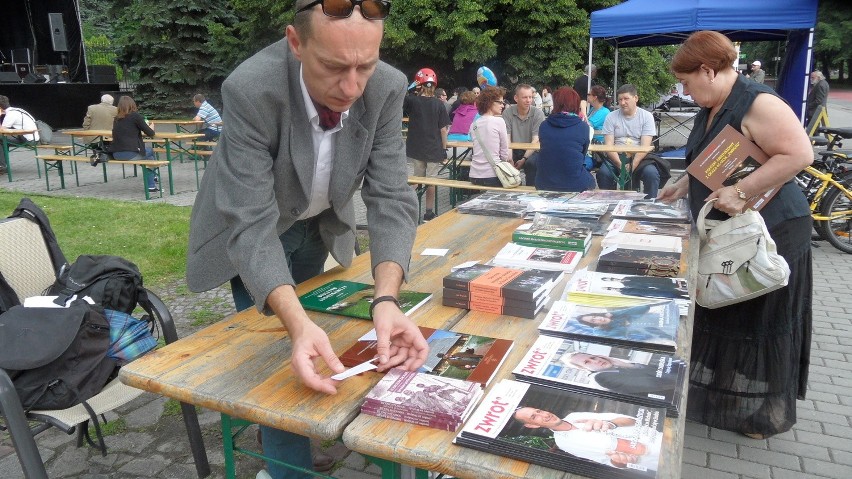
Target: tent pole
<point x="615" y="78"/>
<point x="808" y="69"/>
<point x="588" y="73"/>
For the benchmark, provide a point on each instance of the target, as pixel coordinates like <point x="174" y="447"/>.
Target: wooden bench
<point x="425" y="181"/>
<point x="55" y="162"/>
<point x="197" y="154"/>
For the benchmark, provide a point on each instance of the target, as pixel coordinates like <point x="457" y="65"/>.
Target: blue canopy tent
<point x="638" y="23"/>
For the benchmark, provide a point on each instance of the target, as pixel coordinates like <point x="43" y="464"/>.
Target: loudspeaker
<point x="9" y="77"/>
<point x="57" y="32"/>
<point x="102" y="74"/>
<point x="21" y="55"/>
<point x="33" y="78"/>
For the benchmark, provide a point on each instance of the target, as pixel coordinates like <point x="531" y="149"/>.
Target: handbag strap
<point x="484" y="148"/>
<point x="699" y="221"/>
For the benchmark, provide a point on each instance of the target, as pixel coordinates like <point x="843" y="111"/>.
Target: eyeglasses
<point x="502" y="102"/>
<point x="370" y="9"/>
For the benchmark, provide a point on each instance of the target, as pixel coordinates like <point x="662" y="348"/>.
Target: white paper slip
<point x="464" y="265"/>
<point x="363" y="367"/>
<point x="435" y="252"/>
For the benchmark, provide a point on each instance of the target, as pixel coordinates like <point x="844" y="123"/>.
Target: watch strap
<point x="740" y="192"/>
<point x="382" y="299"/>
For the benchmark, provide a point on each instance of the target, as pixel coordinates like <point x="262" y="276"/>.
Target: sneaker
<point x="153" y="189"/>
<point x="429" y="215"/>
<point x="262" y="474"/>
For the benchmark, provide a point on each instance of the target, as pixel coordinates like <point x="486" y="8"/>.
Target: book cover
<point x="525" y="285"/>
<point x="681" y="230"/>
<point x="568" y="431"/>
<point x="727" y="159"/>
<point x="595" y="282"/>
<point x="641" y="241"/>
<point x="627" y="374"/>
<point x="639" y="262"/>
<point x="510" y="209"/>
<point x="652" y="210"/>
<point x="568" y="209"/>
<point x="353" y="299"/>
<point x="461" y="294"/>
<point x="490" y="307"/>
<point x="632" y="322"/>
<point x="608" y="196"/>
<point x="423" y="395"/>
<point x="541" y="258"/>
<point x="454" y="355"/>
<point x="554" y="232"/>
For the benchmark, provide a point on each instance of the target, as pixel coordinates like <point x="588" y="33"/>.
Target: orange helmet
<point x="424" y="76"/>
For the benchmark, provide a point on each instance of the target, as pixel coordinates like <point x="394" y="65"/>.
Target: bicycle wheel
<point x="838" y="231"/>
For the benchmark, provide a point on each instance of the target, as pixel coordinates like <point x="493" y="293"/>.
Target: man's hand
<point x="310" y="343"/>
<point x="399" y="341"/>
<point x="593" y="424"/>
<point x="622" y="459"/>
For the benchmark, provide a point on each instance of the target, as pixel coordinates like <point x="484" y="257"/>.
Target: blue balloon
<point x="485" y="77"/>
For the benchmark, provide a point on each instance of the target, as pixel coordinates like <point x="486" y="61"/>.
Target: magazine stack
<point x="516" y="255"/>
<point x="578" y="433"/>
<point x="568" y="209"/>
<point x="500" y="290"/>
<point x="556" y="233"/>
<point x="650" y="227"/>
<point x="640" y="323"/>
<point x="650" y="210"/>
<point x="645" y="242"/>
<point x="639" y="262"/>
<point x="631" y="375"/>
<point x="590" y="284"/>
<point x="456" y="355"/>
<point x="422" y="399"/>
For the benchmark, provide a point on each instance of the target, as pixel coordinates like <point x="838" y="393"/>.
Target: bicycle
<point x="826" y="185"/>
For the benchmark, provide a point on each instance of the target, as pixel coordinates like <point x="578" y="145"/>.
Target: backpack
<point x="45" y="131"/>
<point x="111" y="281"/>
<point x="56" y="357"/>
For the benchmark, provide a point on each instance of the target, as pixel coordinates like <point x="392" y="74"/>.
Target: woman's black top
<point x="127" y="133"/>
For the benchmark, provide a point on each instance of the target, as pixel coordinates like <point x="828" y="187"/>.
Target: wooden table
<point x="4" y="138"/>
<point x="240" y="366"/>
<point x="181" y="126"/>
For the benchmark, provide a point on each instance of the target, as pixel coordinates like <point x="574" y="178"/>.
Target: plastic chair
<point x="26" y="264"/>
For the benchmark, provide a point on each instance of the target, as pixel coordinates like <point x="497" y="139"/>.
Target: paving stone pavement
<point x="153" y="442"/>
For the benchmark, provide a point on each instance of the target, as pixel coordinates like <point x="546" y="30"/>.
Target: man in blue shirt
<point x="206" y="113"/>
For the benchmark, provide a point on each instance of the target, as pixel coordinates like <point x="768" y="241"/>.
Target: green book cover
<point x="350" y="298"/>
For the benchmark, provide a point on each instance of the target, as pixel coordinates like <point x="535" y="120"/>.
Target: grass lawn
<point x="154" y="236"/>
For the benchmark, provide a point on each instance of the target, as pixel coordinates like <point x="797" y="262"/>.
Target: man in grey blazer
<point x="277" y="195"/>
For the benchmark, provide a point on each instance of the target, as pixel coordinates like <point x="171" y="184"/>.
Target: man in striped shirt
<point x="206" y="113"/>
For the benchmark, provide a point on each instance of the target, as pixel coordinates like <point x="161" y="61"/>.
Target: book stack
<point x="516" y="255"/>
<point x="640" y="377"/>
<point x="639" y="323"/>
<point x="608" y="196"/>
<point x="423" y="399"/>
<point x="554" y="232"/>
<point x="639" y="262"/>
<point x="681" y="230"/>
<point x="353" y="299"/>
<point x="451" y="354"/>
<point x="568" y="431"/>
<point x="500" y="290"/>
<point x="478" y="206"/>
<point x="570" y="209"/>
<point x="618" y="239"/>
<point x="677" y="212"/>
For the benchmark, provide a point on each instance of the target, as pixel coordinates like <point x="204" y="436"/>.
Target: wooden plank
<point x="434" y="181"/>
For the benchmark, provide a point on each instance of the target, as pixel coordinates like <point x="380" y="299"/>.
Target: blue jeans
<point x="306" y="255"/>
<point x="648" y="174"/>
<point x="606" y="176"/>
<point x="209" y="134"/>
<point x="132" y="155"/>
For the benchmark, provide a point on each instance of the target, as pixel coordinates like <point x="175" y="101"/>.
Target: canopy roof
<point x="654" y="22"/>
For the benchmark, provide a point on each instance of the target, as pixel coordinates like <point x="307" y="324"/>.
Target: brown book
<point x="727" y="159"/>
<point x="451" y="354"/>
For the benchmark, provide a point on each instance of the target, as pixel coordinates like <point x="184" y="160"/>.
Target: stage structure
<point x="43" y="61"/>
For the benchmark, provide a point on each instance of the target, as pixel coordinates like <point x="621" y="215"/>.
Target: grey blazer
<point x="259" y="178"/>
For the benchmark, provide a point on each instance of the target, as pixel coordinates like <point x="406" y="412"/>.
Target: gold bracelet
<point x="740" y="192"/>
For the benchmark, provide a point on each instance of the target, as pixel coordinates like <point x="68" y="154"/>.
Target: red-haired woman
<point x="749" y="360"/>
<point x="564" y="140"/>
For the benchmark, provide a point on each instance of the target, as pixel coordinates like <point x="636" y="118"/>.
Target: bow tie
<point x="328" y="118"/>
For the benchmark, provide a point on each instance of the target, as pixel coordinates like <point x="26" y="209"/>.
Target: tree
<point x="833" y="45"/>
<point x="167" y="45"/>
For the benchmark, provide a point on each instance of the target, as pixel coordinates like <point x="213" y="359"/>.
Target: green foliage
<point x="167" y="45"/>
<point x="833" y="42"/>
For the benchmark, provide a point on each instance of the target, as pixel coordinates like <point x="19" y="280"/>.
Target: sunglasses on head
<point x="370" y="9"/>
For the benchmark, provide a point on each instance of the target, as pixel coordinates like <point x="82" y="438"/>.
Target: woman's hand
<point x="674" y="191"/>
<point x="727" y="200"/>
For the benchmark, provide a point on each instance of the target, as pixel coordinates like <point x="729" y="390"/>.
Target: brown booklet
<point x="726" y="160"/>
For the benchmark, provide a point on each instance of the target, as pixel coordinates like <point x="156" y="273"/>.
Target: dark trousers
<point x="530" y="165"/>
<point x="306" y="255"/>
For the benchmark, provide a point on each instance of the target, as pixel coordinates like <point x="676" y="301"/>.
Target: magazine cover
<point x="627" y="374"/>
<point x="567" y="431"/>
<point x="426" y="396"/>
<point x="642" y="241"/>
<point x="652" y="210"/>
<point x="593" y="284"/>
<point x="727" y="159"/>
<point x="680" y="230"/>
<point x="632" y="322"/>
<point x="568" y="209"/>
<point x="608" y="196"/>
<point x="537" y="257"/>
<point x="510" y="209"/>
<point x="505" y="282"/>
<point x="353" y="299"/>
<point x="454" y="355"/>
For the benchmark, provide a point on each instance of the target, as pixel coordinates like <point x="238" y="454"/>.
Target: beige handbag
<point x="737" y="259"/>
<point x="508" y="175"/>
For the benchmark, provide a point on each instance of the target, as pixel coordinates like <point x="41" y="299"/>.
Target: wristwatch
<point x="740" y="192"/>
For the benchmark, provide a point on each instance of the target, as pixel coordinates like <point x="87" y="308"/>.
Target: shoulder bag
<point x="508" y="175"/>
<point x="737" y="259"/>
